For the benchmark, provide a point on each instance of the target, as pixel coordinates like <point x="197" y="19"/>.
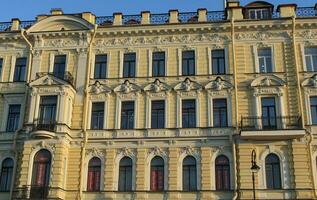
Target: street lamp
<point x="254" y="169"/>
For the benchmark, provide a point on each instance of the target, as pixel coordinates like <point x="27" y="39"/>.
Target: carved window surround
<point x="13" y="61"/>
<point x="256" y="58"/>
<point x="180" y="58"/>
<point x="218" y="47"/>
<point x="309" y="43"/>
<point x="150" y="52"/>
<point x="52" y="59"/>
<point x="309" y="86"/>
<point x="121" y="59"/>
<point x="93" y="58"/>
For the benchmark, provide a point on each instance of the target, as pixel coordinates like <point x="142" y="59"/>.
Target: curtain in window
<point x="94" y="171"/>
<point x="157" y="174"/>
<point x="222" y="173"/>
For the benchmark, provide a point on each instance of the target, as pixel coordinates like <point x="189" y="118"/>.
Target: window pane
<point x="47" y="110"/>
<point x="273" y="174"/>
<point x="6" y="174"/>
<point x="220" y="113"/>
<point x="13" y="118"/>
<point x="313" y="109"/>
<point x="97" y="115"/>
<point x="188" y="63"/>
<point x="20" y="68"/>
<point x="100" y="66"/>
<point x="268" y="112"/>
<point x="1" y="63"/>
<point x="158" y="63"/>
<point x="125" y="174"/>
<point x="158" y="114"/>
<point x="59" y="66"/>
<point x="129" y="65"/>
<point x="309" y="64"/>
<point x="189" y="174"/>
<point x="222" y="173"/>
<point x="127" y="115"/>
<point x="188" y="113"/>
<point x="94" y="171"/>
<point x="265" y="59"/>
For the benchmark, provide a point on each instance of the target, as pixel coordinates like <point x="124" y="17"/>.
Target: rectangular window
<point x="218" y="61"/>
<point x="129" y="61"/>
<point x="220" y="113"/>
<point x="59" y="66"/>
<point x="259" y="14"/>
<point x="268" y="112"/>
<point x="100" y="66"/>
<point x="311" y="59"/>
<point x="158" y="62"/>
<point x="1" y="63"/>
<point x="189" y="113"/>
<point x="97" y="115"/>
<point x="158" y="114"/>
<point x="13" y="117"/>
<point x="20" y="70"/>
<point x="265" y="60"/>
<point x="47" y="115"/>
<point x="313" y="109"/>
<point x="188" y="63"/>
<point x="127" y="115"/>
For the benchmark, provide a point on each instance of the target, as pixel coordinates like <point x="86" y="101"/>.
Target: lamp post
<point x="254" y="169"/>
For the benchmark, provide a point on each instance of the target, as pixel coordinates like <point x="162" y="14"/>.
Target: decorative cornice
<point x="188" y="85"/>
<point x="219" y="84"/>
<point x="127" y="87"/>
<point x="98" y="88"/>
<point x="157" y="86"/>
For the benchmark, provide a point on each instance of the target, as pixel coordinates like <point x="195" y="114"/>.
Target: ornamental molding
<point x="310" y="85"/>
<point x="60" y="43"/>
<point x="262" y="36"/>
<point x="219" y="84"/>
<point x="188" y="150"/>
<point x="99" y="88"/>
<point x="307" y="34"/>
<point x="157" y="87"/>
<point x="157" y="151"/>
<point x="267" y="81"/>
<point x="94" y="152"/>
<point x="44" y="145"/>
<point x="127" y="87"/>
<point x="126" y="152"/>
<point x="161" y="40"/>
<point x="218" y="149"/>
<point x="187" y="86"/>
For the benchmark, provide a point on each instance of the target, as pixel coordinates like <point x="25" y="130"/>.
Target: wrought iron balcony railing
<point x="67" y="76"/>
<point x="252" y="123"/>
<point x="42" y="125"/>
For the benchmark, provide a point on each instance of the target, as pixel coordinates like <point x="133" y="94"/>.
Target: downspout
<point x="16" y="133"/>
<point x="234" y="147"/>
<point x="300" y="105"/>
<point x="84" y="144"/>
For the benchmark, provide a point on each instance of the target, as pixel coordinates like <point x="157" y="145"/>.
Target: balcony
<point x="253" y="127"/>
<point x="43" y="129"/>
<point x="67" y="76"/>
<point x="35" y="192"/>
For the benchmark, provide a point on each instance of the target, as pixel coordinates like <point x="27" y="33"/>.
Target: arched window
<point x="157" y="174"/>
<point x="125" y="174"/>
<point x="189" y="174"/>
<point x="94" y="170"/>
<point x="273" y="172"/>
<point x="6" y="175"/>
<point x="222" y="173"/>
<point x="41" y="174"/>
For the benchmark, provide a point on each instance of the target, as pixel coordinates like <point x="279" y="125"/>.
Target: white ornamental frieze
<point x="157" y="86"/>
<point x="127" y="87"/>
<point x="98" y="88"/>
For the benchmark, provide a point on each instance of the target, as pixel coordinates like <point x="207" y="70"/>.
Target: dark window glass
<point x="189" y="113"/>
<point x="157" y="174"/>
<point x="218" y="61"/>
<point x="265" y="60"/>
<point x="158" y="63"/>
<point x="100" y="66"/>
<point x="13" y="118"/>
<point x="97" y="115"/>
<point x="20" y="70"/>
<point x="273" y="173"/>
<point x="222" y="173"/>
<point x="313" y="109"/>
<point x="220" y="112"/>
<point x="259" y="13"/>
<point x="6" y="175"/>
<point x="47" y="110"/>
<point x="59" y="66"/>
<point x="127" y="115"/>
<point x="125" y="174"/>
<point x="158" y="114"/>
<point x="188" y="63"/>
<point x="41" y="174"/>
<point x="311" y="58"/>
<point x="129" y="65"/>
<point x="268" y="112"/>
<point x="1" y="66"/>
<point x="94" y="171"/>
<point x="189" y="174"/>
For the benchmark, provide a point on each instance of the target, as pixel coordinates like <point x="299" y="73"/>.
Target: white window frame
<point x="93" y="63"/>
<point x="13" y="62"/>
<point x="180" y="60"/>
<point x="10" y="100"/>
<point x="52" y="60"/>
<point x="118" y="111"/>
<point x="105" y="113"/>
<point x="3" y="65"/>
<point x="210" y="110"/>
<point x="303" y="47"/>
<point x="102" y="171"/>
<point x="148" y="170"/>
<point x="137" y="59"/>
<point x="213" y="168"/>
<point x="226" y="51"/>
<point x="180" y="106"/>
<point x="256" y="15"/>
<point x="180" y="170"/>
<point x="150" y="57"/>
<point x="256" y="58"/>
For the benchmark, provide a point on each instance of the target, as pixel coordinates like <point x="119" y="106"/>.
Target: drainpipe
<point x="234" y="147"/>
<point x="84" y="144"/>
<point x="16" y="133"/>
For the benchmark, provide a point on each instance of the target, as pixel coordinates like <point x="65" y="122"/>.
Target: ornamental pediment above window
<point x="310" y="84"/>
<point x="157" y="87"/>
<point x="219" y="87"/>
<point x="127" y="89"/>
<point x="188" y="87"/>
<point x="47" y="79"/>
<point x="269" y="84"/>
<point x="99" y="88"/>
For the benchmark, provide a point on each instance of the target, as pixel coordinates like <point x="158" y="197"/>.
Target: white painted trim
<point x="10" y="100"/>
<point x="121" y="57"/>
<point x="256" y="57"/>
<point x="179" y="59"/>
<point x="52" y="60"/>
<point x="4" y="63"/>
<point x="210" y="109"/>
<point x="150" y="64"/>
<point x="118" y="111"/>
<point x="228" y="154"/>
<point x="117" y="160"/>
<point x="179" y="109"/>
<point x="12" y="69"/>
<point x="196" y="53"/>
<point x="226" y="49"/>
<point x="302" y="48"/>
<point x="148" y="170"/>
<point x="137" y="63"/>
<point x="180" y="170"/>
<point x="167" y="55"/>
<point x="105" y="113"/>
<point x="102" y="171"/>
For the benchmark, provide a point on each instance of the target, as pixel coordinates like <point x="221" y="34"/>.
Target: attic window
<point x="259" y="13"/>
<point x="258" y="10"/>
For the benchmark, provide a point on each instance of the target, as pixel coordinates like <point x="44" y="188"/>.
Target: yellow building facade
<point x="160" y="106"/>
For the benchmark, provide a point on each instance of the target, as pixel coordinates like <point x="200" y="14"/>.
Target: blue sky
<point x="28" y="9"/>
